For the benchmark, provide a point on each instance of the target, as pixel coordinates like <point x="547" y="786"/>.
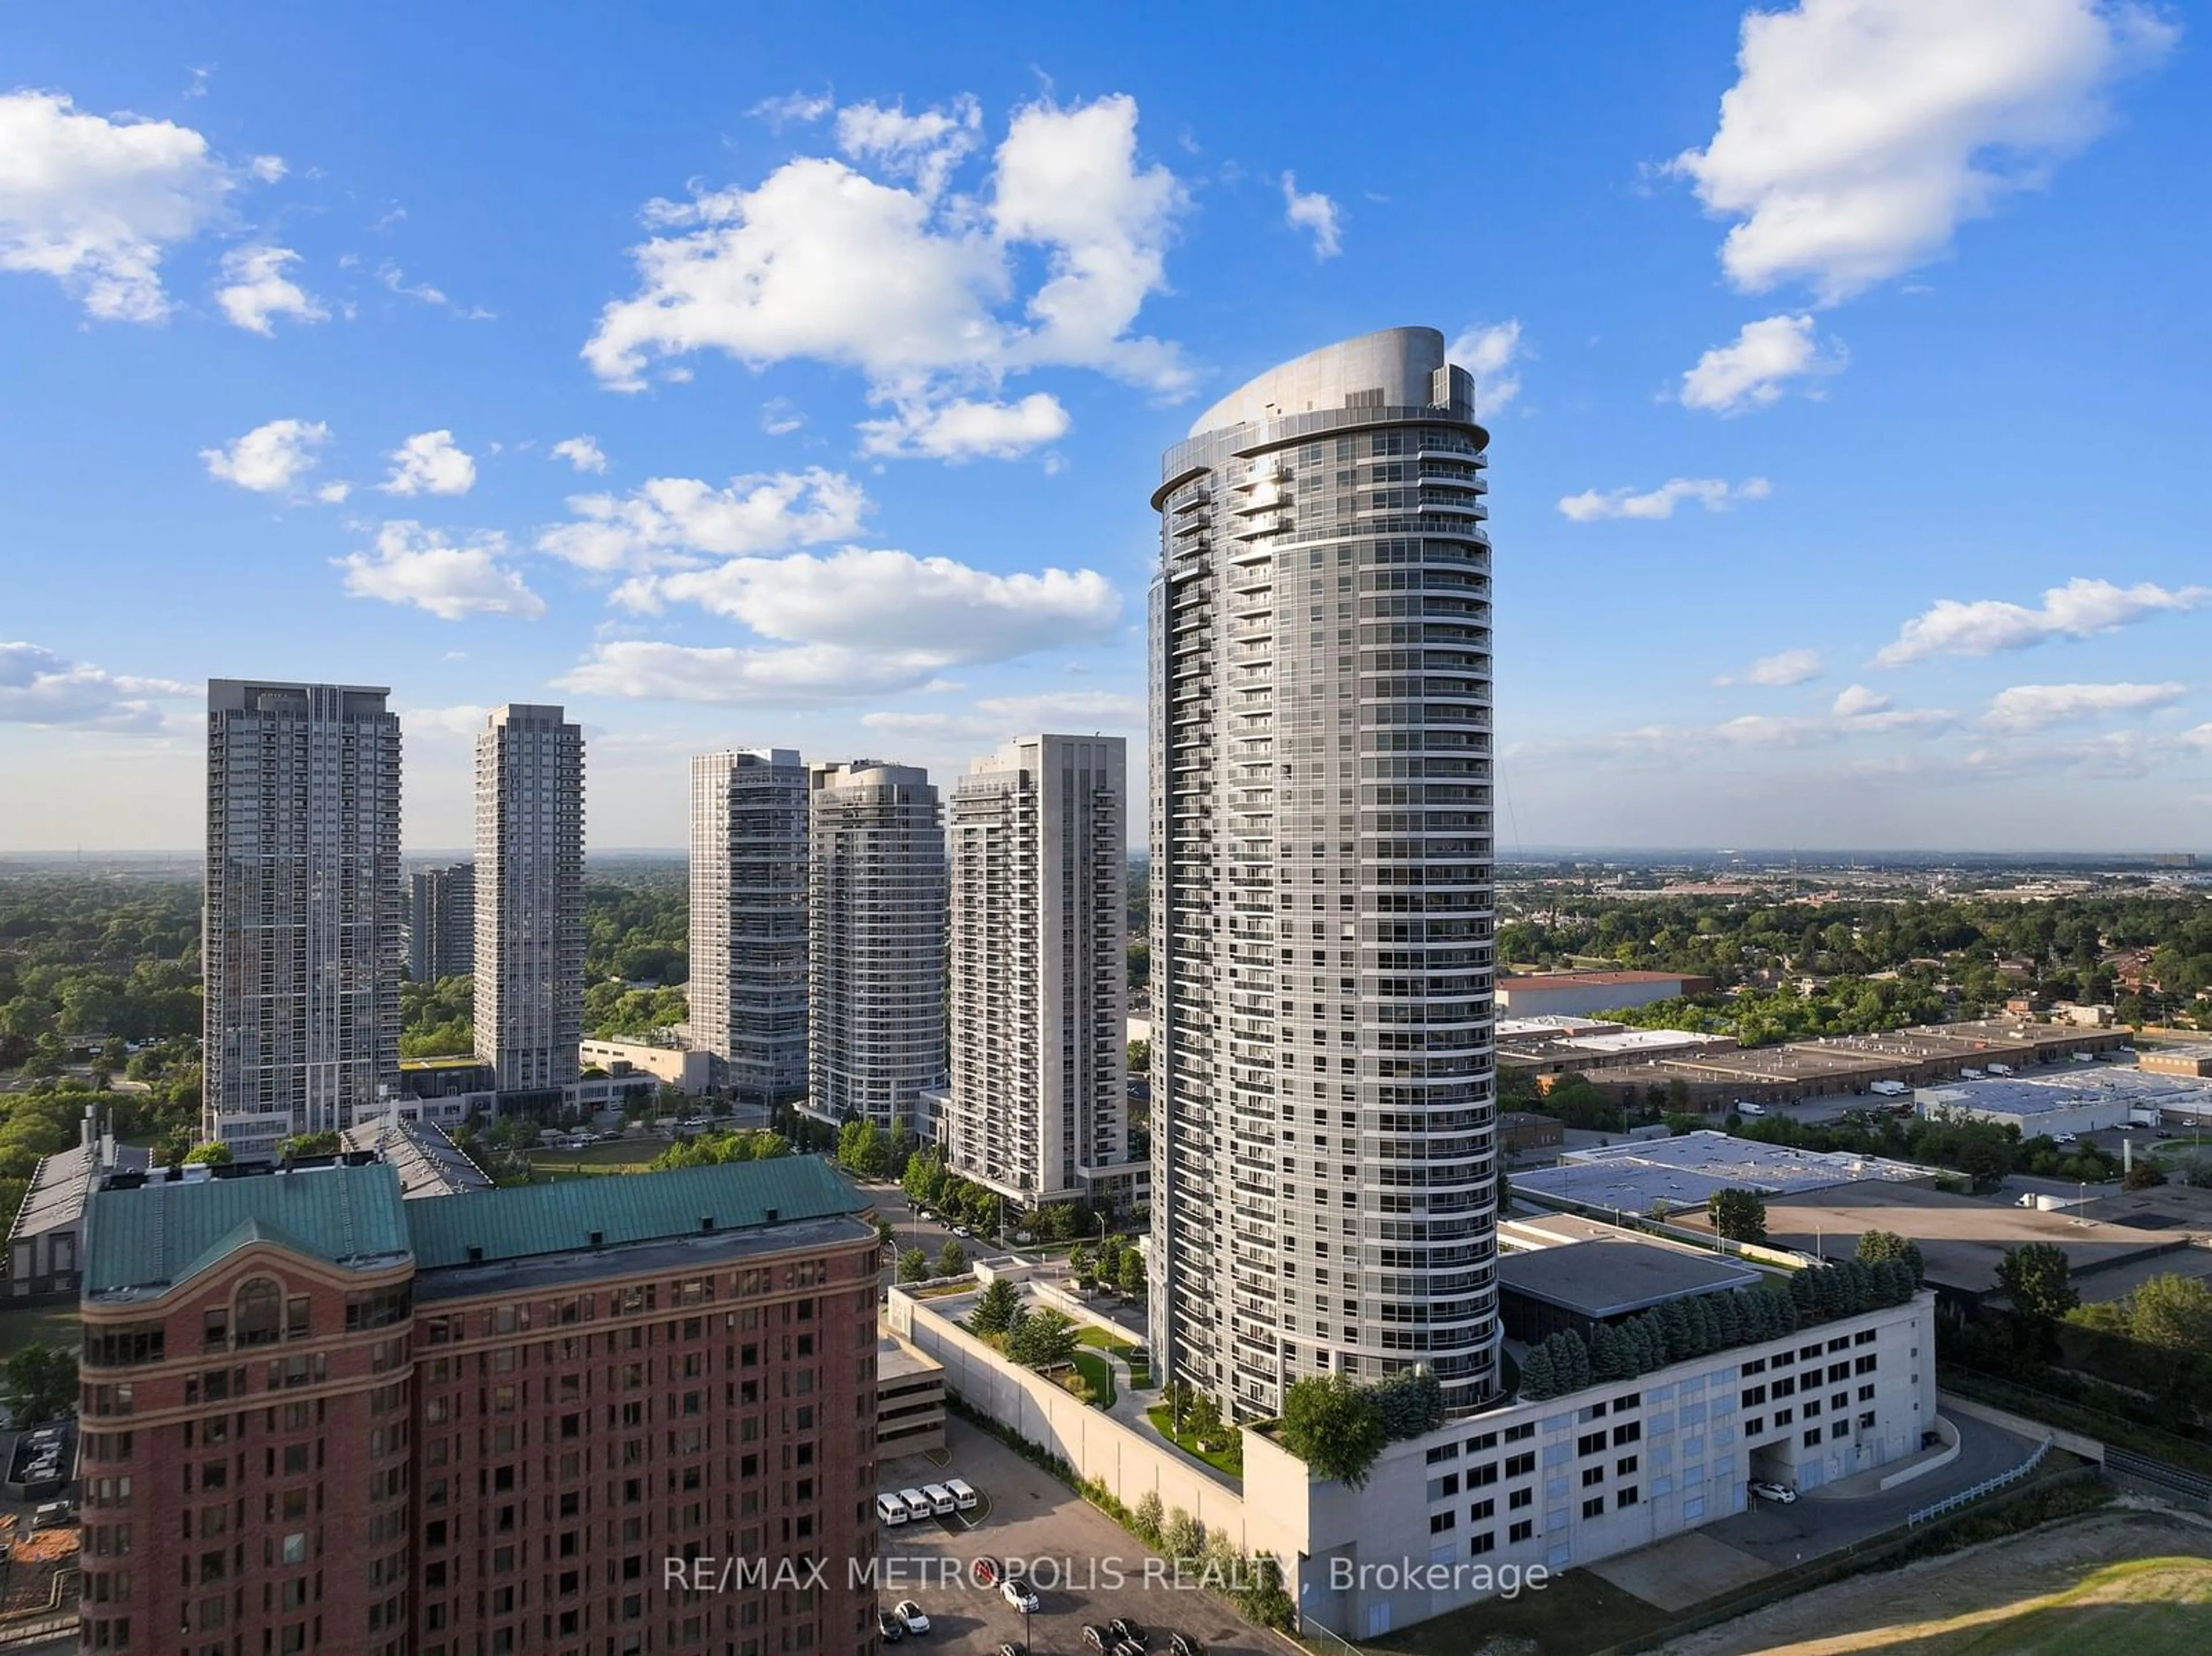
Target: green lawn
<point x="1098" y="1374"/>
<point x="1222" y="1460"/>
<point x="1104" y="1339"/>
<point x="49" y="1325"/>
<point x="629" y="1155"/>
<point x="1572" y="1615"/>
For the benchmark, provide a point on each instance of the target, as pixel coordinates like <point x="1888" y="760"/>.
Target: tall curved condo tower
<point x="1324" y="1111"/>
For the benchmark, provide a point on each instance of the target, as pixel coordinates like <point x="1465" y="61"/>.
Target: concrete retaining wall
<point x="2035" y="1430"/>
<point x="1950" y="1434"/>
<point x="1128" y="1460"/>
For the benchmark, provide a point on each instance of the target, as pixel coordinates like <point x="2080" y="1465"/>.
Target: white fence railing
<point x="1987" y="1486"/>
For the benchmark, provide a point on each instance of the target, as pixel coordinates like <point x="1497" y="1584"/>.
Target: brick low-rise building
<point x="318" y="1417"/>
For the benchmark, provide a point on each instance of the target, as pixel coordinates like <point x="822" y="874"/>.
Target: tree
<point x="1043" y="1339"/>
<point x="1333" y="1426"/>
<point x="1182" y="1536"/>
<point x="951" y="1259"/>
<point x="2037" y="1280"/>
<point x="1879" y="1246"/>
<point x="1538" y="1379"/>
<point x="311" y="1143"/>
<point x="1738" y="1215"/>
<point x="1147" y="1515"/>
<point x="2173" y="1313"/>
<point x="996" y="1309"/>
<point x="213" y="1153"/>
<point x="1083" y="1265"/>
<point x="913" y="1266"/>
<point x="1130" y="1277"/>
<point x="1202" y="1417"/>
<point x="41" y="1383"/>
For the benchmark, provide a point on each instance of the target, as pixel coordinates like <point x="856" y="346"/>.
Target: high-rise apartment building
<point x="300" y="947"/>
<point x="530" y="896"/>
<point x="1036" y="835"/>
<point x="748" y="940"/>
<point x="1323" y="1105"/>
<point x="318" y="1417"/>
<point x="441" y="922"/>
<point x="876" y="948"/>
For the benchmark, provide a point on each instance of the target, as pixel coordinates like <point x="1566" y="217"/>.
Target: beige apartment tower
<point x="303" y="905"/>
<point x="1324" y="1112"/>
<point x="530" y="896"/>
<point x="1036" y="834"/>
<point x="876" y="944"/>
<point x="748" y="939"/>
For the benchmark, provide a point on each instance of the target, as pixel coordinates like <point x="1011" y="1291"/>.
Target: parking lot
<point x="1086" y="1569"/>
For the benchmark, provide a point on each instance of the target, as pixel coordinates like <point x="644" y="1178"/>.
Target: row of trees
<point x="1338" y="1426"/>
<point x="1035" y="1339"/>
<point x="1886" y="1272"/>
<point x="708" y="1149"/>
<point x="1958" y="942"/>
<point x="1113" y="1263"/>
<point x="1254" y="1585"/>
<point x="914" y="1264"/>
<point x="935" y="1188"/>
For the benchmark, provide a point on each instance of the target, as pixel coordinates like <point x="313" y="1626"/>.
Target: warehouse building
<point x="2082" y="1098"/>
<point x="1567" y="992"/>
<point x="1651" y="1178"/>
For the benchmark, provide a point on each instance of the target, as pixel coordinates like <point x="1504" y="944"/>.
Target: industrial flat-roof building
<point x="1567" y="992"/>
<point x="2082" y="1098"/>
<point x="2195" y="1060"/>
<point x="1679" y="1175"/>
<point x="1963" y="1238"/>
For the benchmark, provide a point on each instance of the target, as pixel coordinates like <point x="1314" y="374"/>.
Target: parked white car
<point x="1019" y="1594"/>
<point x="1781" y="1494"/>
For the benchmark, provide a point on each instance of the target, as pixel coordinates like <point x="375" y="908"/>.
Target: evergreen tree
<point x="1705" y="1331"/>
<point x="1538" y="1379"/>
<point x="1675" y="1322"/>
<point x="1727" y="1312"/>
<point x="1610" y="1357"/>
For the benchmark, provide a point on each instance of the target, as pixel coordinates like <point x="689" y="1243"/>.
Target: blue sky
<point x="737" y="376"/>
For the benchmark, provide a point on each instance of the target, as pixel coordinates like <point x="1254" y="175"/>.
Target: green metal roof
<point x="530" y="1220"/>
<point x="166" y="1233"/>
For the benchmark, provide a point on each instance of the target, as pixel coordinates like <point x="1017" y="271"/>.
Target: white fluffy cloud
<point x="95" y="203"/>
<point x="1987" y="625"/>
<point x="854" y="624"/>
<point x="1489" y="353"/>
<point x="1712" y="493"/>
<point x="899" y="280"/>
<point x="1855" y="700"/>
<point x="1860" y="133"/>
<point x="963" y="430"/>
<point x="430" y="463"/>
<point x="1779" y="670"/>
<point x="271" y="458"/>
<point x="452" y="580"/>
<point x="1757" y="367"/>
<point x="37" y="686"/>
<point x="924" y="148"/>
<point x="256" y="288"/>
<point x="2034" y="706"/>
<point x="892" y="601"/>
<point x="679" y="522"/>
<point x="1314" y="213"/>
<point x="581" y="452"/>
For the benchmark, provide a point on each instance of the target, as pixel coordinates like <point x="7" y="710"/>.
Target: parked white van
<point x="891" y="1509"/>
<point x="1749" y="1108"/>
<point x="963" y="1493"/>
<point x="917" y="1504"/>
<point x="940" y="1498"/>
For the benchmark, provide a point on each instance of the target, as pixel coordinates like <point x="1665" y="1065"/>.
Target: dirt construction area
<point x="2088" y="1588"/>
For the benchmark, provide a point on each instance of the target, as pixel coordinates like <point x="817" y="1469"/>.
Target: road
<point x="1782" y="1535"/>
